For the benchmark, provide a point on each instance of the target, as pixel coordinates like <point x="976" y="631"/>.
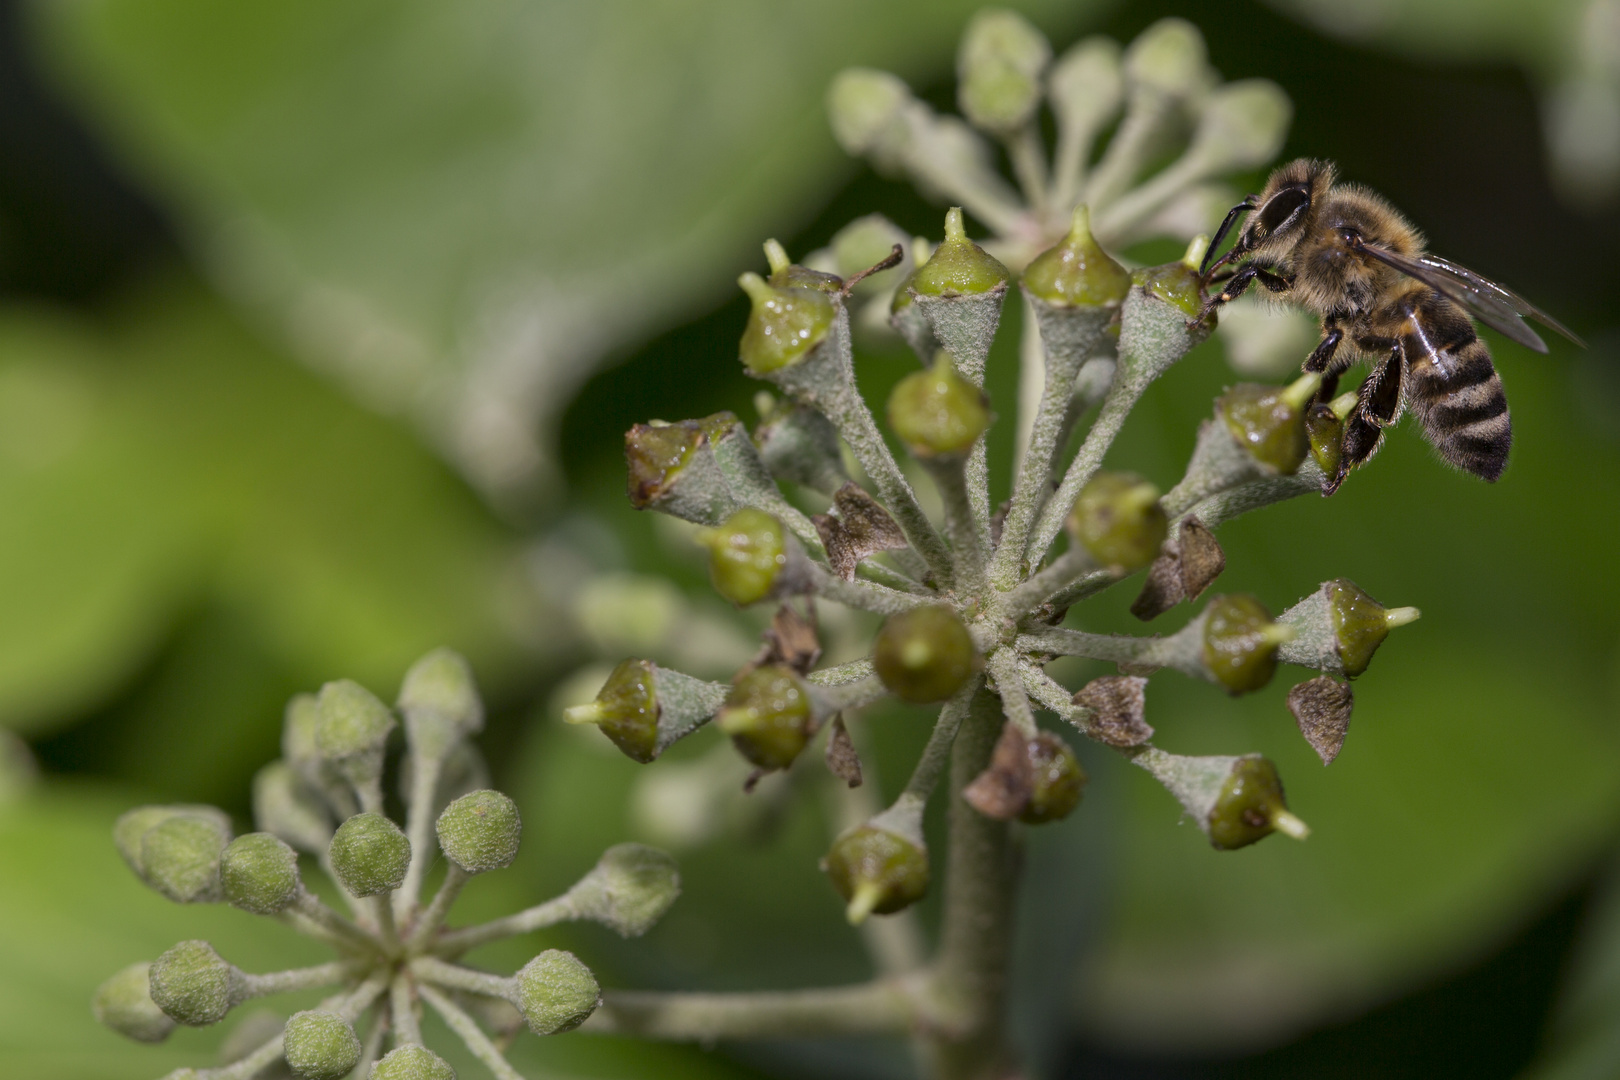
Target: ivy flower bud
<point x="801" y="445"/>
<point x="937" y="412"/>
<point x="1324" y="430"/>
<point x="1250" y="806"/>
<point x="1242" y="126"/>
<point x="352" y="729"/>
<point x="787" y="274"/>
<point x="1179" y="283"/>
<point x="555" y="992"/>
<point x="194" y="985"/>
<point x="864" y="243"/>
<point x="1086" y="87"/>
<point x="783" y="326"/>
<point x="747" y="555"/>
<point x="1058" y="781"/>
<point x="440" y="703"/>
<point x="628" y="890"/>
<point x="1339" y="627"/>
<point x="867" y="109"/>
<point x="480" y="831"/>
<point x="321" y="1045"/>
<point x="1077" y="273"/>
<point x="958" y="267"/>
<point x="180" y="858"/>
<point x="768" y="716"/>
<point x="132" y="825"/>
<point x="1240" y="643"/>
<point x="998" y="70"/>
<point x="877" y="870"/>
<point x="1269" y="422"/>
<point x="1119" y="520"/>
<point x="298" y="745"/>
<point x="1168" y="58"/>
<point x="285" y="806"/>
<point x="259" y="873"/>
<point x="924" y="654"/>
<point x="370" y="855"/>
<point x="644" y="708"/>
<point x="412" y="1062"/>
<point x="124" y="1004"/>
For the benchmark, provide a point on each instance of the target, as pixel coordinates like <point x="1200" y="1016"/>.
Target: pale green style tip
<point x="776" y="255"/>
<point x="1195" y="251"/>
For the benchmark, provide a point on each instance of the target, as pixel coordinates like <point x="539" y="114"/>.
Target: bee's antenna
<point x="1220" y="234"/>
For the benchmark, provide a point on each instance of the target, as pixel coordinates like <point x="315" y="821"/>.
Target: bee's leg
<point x="1378" y="404"/>
<point x="1321" y="357"/>
<point x="1239" y="283"/>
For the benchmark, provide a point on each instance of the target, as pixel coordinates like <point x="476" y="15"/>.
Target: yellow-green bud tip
<point x="776" y="255"/>
<point x="1401" y="616"/>
<point x="1080" y="225"/>
<point x="1285" y="822"/>
<point x="867" y="896"/>
<point x="754" y="285"/>
<point x="954" y="227"/>
<point x="588" y="713"/>
<point x="1302" y="389"/>
<point x="1195" y="251"/>
<point x="1343" y="405"/>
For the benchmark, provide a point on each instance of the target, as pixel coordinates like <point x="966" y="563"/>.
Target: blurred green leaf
<point x="464" y="208"/>
<point x="168" y="469"/>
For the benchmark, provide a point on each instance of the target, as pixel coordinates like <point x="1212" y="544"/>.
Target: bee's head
<point x="1281" y="212"/>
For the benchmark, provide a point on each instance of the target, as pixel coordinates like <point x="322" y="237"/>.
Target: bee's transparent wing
<point x="1495" y="305"/>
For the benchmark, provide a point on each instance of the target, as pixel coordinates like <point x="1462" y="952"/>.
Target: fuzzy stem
<point x="1052" y="694"/>
<point x="1028" y="159"/>
<point x="387" y="930"/>
<point x="456" y="977"/>
<point x="864" y="595"/>
<point x="849" y="695"/>
<point x="471" y="1034"/>
<point x="853" y="671"/>
<point x="1030" y="594"/>
<point x="961" y="522"/>
<point x="406" y="1027"/>
<point x="1003" y="667"/>
<point x="1032" y="375"/>
<point x="418" y="829"/>
<point x="1117" y="648"/>
<point x="310" y="978"/>
<point x="433" y="917"/>
<point x="931" y="764"/>
<point x="371" y="1050"/>
<point x="554" y="911"/>
<point x="1087" y="584"/>
<point x="882" y="1007"/>
<point x="879" y="574"/>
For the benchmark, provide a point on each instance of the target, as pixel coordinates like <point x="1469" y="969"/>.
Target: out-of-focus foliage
<point x="464" y="208"/>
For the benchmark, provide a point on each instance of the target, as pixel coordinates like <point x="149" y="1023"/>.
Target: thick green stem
<point x="884" y="1007"/>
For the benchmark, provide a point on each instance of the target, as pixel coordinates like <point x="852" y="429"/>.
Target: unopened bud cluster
<point x="323" y="801"/>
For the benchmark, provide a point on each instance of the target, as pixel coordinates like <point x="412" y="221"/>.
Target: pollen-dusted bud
<point x="321" y="1045"/>
<point x="783" y="325"/>
<point x="644" y="708"/>
<point x="867" y="110"/>
<point x="768" y="716"/>
<point x="132" y="825"/>
<point x="1240" y="642"/>
<point x="1250" y="806"/>
<point x="1058" y="781"/>
<point x="1179" y="283"/>
<point x="285" y="806"/>
<point x="259" y="873"/>
<point x="1339" y="627"/>
<point x="998" y="70"/>
<point x="1119" y="520"/>
<point x="937" y="412"/>
<point x="194" y="985"/>
<point x="1077" y="273"/>
<point x="878" y="868"/>
<point x="628" y="890"/>
<point x="1269" y="422"/>
<point x="370" y="855"/>
<point x="412" y="1061"/>
<point x="440" y="703"/>
<point x="179" y="857"/>
<point x="747" y="555"/>
<point x="124" y="1004"/>
<point x="924" y="654"/>
<point x="352" y="729"/>
<point x="480" y="831"/>
<point x="555" y="992"/>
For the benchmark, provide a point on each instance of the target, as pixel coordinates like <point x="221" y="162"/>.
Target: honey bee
<point x="1344" y="253"/>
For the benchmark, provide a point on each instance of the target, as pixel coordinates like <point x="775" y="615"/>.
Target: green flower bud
<point x="351" y="729"/>
<point x="180" y="857"/>
<point x="864" y="243"/>
<point x="1086" y="86"/>
<point x="644" y="708"/>
<point x="783" y="326"/>
<point x="877" y="871"/>
<point x="787" y="274"/>
<point x="1339" y="627"/>
<point x="132" y="825"/>
<point x="321" y="1045"/>
<point x="925" y="654"/>
<point x="867" y="109"/>
<point x="259" y="873"/>
<point x="998" y="70"/>
<point x="298" y="744"/>
<point x="768" y="716"/>
<point x="801" y="445"/>
<point x="938" y="412"/>
<point x="440" y="703"/>
<point x="1119" y="520"/>
<point x="629" y="889"/>
<point x="1169" y="58"/>
<point x="1325" y="432"/>
<point x="958" y="267"/>
<point x="1077" y="273"/>
<point x="480" y="831"/>
<point x="412" y="1062"/>
<point x="370" y="855"/>
<point x="194" y="985"/>
<point x="747" y="554"/>
<point x="1240" y="642"/>
<point x="1242" y="125"/>
<point x="1177" y="283"/>
<point x="285" y="806"/>
<point x="1059" y="781"/>
<point x="124" y="1004"/>
<point x="1250" y="807"/>
<point x="1269" y="421"/>
<point x="555" y="992"/>
<point x="921" y="252"/>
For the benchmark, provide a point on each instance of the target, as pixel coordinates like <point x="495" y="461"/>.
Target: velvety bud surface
<point x="925" y="654"/>
<point x="321" y="1045"/>
<point x="193" y="984"/>
<point x="877" y="871"/>
<point x="1118" y="519"/>
<point x="629" y="889"/>
<point x="412" y="1062"/>
<point x="938" y="411"/>
<point x="1240" y="643"/>
<point x="180" y="857"/>
<point x="124" y="1004"/>
<point x="556" y="993"/>
<point x="480" y="831"/>
<point x="746" y="554"/>
<point x="768" y="716"/>
<point x="259" y="873"/>
<point x="370" y="855"/>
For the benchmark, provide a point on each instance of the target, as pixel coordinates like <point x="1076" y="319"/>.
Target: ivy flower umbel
<point x="396" y="955"/>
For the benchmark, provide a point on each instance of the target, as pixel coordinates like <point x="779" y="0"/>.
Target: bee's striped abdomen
<point x="1455" y="391"/>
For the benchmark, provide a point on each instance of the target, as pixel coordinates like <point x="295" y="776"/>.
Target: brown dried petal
<point x="1003" y="790"/>
<point x="861" y="528"/>
<point x="1163" y="589"/>
<point x="1118" y="706"/>
<point x="1322" y="708"/>
<point x="842" y="760"/>
<point x="791" y="640"/>
<point x="1201" y="557"/>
